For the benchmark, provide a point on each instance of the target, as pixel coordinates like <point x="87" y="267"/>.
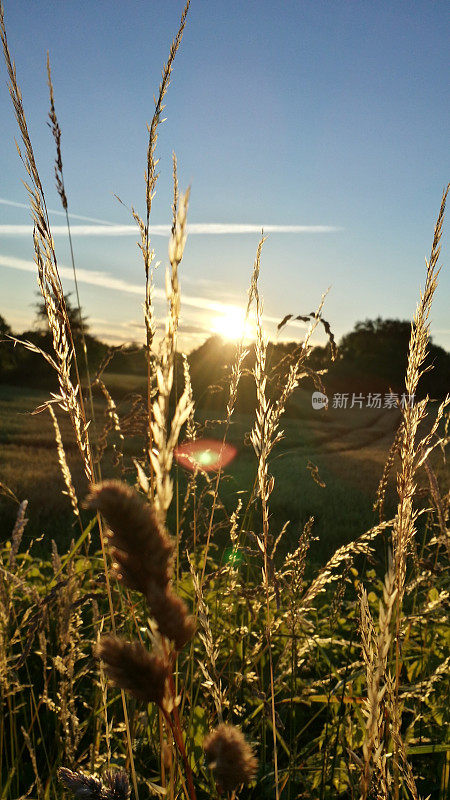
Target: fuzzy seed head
<point x="171" y="614"/>
<point x="230" y="756"/>
<point x="132" y="668"/>
<point x="141" y="547"/>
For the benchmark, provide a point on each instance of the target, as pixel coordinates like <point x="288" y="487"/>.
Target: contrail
<point x="103" y="279"/>
<point x="107" y="228"/>
<point x="194" y="229"/>
<point x="5" y="202"/>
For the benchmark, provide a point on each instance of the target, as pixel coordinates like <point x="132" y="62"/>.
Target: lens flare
<point x="204" y="454"/>
<point x="233" y="325"/>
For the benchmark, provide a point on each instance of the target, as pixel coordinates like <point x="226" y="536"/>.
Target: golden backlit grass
<point x="203" y="605"/>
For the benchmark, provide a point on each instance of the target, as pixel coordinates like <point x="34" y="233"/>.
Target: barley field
<point x="261" y="616"/>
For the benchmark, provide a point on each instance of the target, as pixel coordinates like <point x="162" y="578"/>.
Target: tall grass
<point x="242" y="667"/>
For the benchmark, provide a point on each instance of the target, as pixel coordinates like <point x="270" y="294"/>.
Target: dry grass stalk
<point x="32" y="753"/>
<point x="241" y="351"/>
<point x="264" y="436"/>
<point x="176" y="192"/>
<point x="441" y="505"/>
<point x="382" y="486"/>
<point x="412" y="455"/>
<point x="231" y="570"/>
<point x="235" y="377"/>
<point x="17" y="533"/>
<point x="191" y="428"/>
<point x="68" y="624"/>
<point x="56" y="131"/>
<point x="329" y="573"/>
<point x="112" y="423"/>
<point x="151" y="177"/>
<point x="59" y="176"/>
<point x="65" y="471"/>
<point x="49" y="281"/>
<point x="375" y="647"/>
<point x="230" y="757"/>
<point x="165" y="434"/>
<point x="98" y="626"/>
<point x="212" y="682"/>
<point x="401" y="763"/>
<point x="293" y="571"/>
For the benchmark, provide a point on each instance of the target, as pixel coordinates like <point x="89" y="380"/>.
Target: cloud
<point x="194" y="229"/>
<point x="103" y="279"/>
<point x="5" y="202"/>
<point x="107" y="228"/>
<point x="106" y="281"/>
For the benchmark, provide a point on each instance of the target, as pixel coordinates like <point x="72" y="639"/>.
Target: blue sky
<point x="330" y="116"/>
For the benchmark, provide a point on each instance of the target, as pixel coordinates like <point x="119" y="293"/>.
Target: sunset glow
<point x="232" y="324"/>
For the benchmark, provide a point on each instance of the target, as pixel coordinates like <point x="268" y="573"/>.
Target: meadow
<point x="348" y="446"/>
<point x="258" y="630"/>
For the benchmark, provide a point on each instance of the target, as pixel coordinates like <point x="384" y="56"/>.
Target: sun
<point x="232" y="325"/>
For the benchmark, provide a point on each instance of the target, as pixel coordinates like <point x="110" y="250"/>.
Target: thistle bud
<point x="83" y="786"/>
<point x="115" y="787"/>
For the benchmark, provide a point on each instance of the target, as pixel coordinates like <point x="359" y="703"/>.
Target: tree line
<point x="370" y="358"/>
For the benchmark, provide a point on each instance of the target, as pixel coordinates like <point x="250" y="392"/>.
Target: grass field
<point x="349" y="447"/>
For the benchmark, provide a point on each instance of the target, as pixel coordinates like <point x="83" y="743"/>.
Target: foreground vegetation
<point x="222" y="656"/>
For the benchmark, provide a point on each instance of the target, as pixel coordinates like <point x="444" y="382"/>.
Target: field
<point x="349" y="447"/>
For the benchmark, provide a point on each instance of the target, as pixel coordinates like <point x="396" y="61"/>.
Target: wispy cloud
<point x="107" y="281"/>
<point x="106" y="228"/>
<point x="59" y="213"/>
<point x="194" y="229"/>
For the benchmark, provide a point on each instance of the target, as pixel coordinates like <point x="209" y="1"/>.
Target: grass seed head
<point x="132" y="668"/>
<point x="230" y="756"/>
<point x="142" y="548"/>
<point x="171" y="614"/>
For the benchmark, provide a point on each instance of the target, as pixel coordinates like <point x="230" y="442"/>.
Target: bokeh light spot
<point x="206" y="454"/>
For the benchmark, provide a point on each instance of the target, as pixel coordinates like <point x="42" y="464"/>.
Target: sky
<point x="325" y="123"/>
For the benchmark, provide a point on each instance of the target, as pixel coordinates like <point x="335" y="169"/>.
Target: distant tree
<point x="5" y="329"/>
<point x="7" y="354"/>
<point x="376" y="354"/>
<point x="20" y="366"/>
<point x="78" y="322"/>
